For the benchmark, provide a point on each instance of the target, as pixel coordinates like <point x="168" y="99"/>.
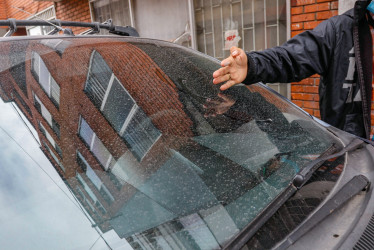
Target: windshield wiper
<point x="353" y="187"/>
<point x="304" y="175"/>
<point x="299" y="180"/>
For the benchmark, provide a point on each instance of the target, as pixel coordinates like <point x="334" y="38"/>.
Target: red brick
<point x="326" y="14"/>
<point x="310" y="111"/>
<point x="297" y="88"/>
<point x="303" y="17"/>
<point x="298" y="103"/>
<point x="301" y="2"/>
<point x="311" y="25"/>
<point x="317" y="114"/>
<point x="317" y="7"/>
<point x="297" y="26"/>
<point x="334" y="5"/>
<point x="294" y="33"/>
<point x="304" y="97"/>
<point x="297" y="10"/>
<point x="311" y="89"/>
<point x="312" y="105"/>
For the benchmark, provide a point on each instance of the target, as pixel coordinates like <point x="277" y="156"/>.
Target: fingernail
<point x="235" y="52"/>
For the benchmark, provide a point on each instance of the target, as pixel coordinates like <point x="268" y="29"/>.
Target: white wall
<point x="345" y="5"/>
<point x="161" y="19"/>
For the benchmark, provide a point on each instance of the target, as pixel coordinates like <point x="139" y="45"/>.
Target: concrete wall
<point x="161" y="19"/>
<point x="345" y="5"/>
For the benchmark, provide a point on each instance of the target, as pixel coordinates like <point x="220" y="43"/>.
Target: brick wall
<point x="69" y="10"/>
<point x="306" y="15"/>
<point x="2" y="9"/>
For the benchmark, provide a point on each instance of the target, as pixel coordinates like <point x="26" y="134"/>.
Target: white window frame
<point x="132" y="112"/>
<point x="91" y="144"/>
<point x="46" y="14"/>
<point x="36" y="56"/>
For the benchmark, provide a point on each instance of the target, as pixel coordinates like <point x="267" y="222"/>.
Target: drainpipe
<point x="191" y="13"/>
<point x="132" y="19"/>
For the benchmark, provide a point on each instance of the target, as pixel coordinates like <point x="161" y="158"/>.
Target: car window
<point x="150" y="152"/>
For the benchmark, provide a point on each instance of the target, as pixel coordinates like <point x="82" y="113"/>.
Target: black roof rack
<point x="58" y="24"/>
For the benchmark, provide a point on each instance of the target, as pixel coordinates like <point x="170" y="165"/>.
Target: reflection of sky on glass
<point x="34" y="212"/>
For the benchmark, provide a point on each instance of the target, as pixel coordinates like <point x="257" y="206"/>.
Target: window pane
<point x="141" y="134"/>
<point x="44" y="77"/>
<point x="35" y="65"/>
<point x="118" y="105"/>
<point x="98" y="79"/>
<point x="86" y="132"/>
<point x="55" y="93"/>
<point x="46" y="115"/>
<point x="100" y="152"/>
<point x="87" y="188"/>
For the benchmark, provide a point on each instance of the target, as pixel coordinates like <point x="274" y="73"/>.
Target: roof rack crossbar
<point x="56" y="29"/>
<point x="119" y="30"/>
<point x="12" y="27"/>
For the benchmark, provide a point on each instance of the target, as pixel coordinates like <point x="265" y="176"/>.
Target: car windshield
<point x="126" y="142"/>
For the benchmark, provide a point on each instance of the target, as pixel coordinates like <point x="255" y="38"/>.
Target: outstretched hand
<point x="234" y="69"/>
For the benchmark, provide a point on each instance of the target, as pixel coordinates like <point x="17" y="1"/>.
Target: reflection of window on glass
<point x="127" y="118"/>
<point x="95" y="145"/>
<point x="23" y="103"/>
<point x="50" y="139"/>
<point x="83" y="199"/>
<point x="94" y="179"/>
<point x="90" y="193"/>
<point x="46" y="115"/>
<point x="54" y="156"/>
<point x="45" y="79"/>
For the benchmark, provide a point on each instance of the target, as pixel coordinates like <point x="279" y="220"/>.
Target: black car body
<point x="126" y="143"/>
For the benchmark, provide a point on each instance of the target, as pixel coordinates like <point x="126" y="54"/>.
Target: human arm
<point x="300" y="57"/>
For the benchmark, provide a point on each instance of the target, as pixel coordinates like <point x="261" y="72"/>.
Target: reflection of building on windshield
<point x="95" y="145"/>
<point x="134" y="159"/>
<point x="87" y="117"/>
<point x="46" y="115"/>
<point x="112" y="99"/>
<point x="45" y="79"/>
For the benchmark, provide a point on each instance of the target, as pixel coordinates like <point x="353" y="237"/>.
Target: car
<point x="121" y="142"/>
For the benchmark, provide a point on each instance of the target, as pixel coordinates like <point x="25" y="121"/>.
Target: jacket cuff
<point x="251" y="74"/>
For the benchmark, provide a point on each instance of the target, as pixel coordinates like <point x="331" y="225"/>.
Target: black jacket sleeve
<point x="300" y="57"/>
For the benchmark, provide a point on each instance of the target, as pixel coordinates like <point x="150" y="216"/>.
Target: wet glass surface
<point x="134" y="146"/>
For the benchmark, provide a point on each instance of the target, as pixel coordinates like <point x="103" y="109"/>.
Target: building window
<point x="23" y="103"/>
<point x="54" y="156"/>
<point x="45" y="79"/>
<point x="47" y="14"/>
<point x="119" y="108"/>
<point x="96" y="181"/>
<point x="118" y="11"/>
<point x="260" y="24"/>
<point x="95" y="145"/>
<point x="90" y="193"/>
<point x="50" y="139"/>
<point x="46" y="115"/>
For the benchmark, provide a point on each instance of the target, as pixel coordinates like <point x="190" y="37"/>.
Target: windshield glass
<point x="134" y="146"/>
